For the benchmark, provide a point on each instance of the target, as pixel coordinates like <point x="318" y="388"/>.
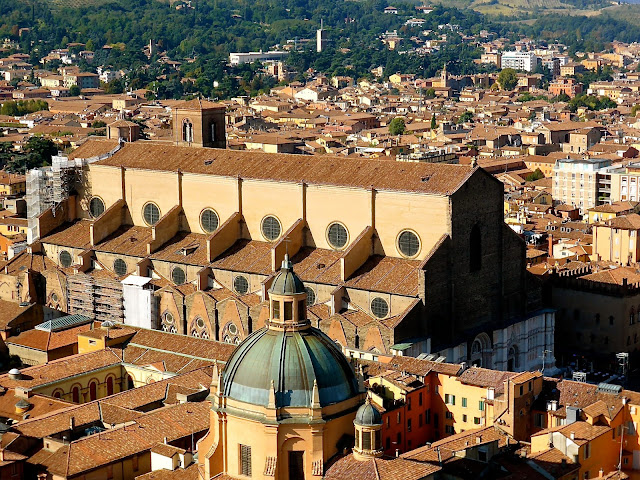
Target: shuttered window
<point x="245" y="460"/>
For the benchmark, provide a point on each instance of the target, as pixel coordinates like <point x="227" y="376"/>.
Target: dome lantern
<point x="288" y="300"/>
<point x="368" y="426"/>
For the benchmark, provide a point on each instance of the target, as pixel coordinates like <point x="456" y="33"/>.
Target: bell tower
<point x="199" y="123"/>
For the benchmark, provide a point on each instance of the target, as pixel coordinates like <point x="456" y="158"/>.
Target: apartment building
<point x="527" y="61"/>
<point x="575" y="181"/>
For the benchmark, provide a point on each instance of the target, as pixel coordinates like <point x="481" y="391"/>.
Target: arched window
<point x="109" y="386"/>
<point x="168" y="323"/>
<point x="93" y="391"/>
<point x="187" y="131"/>
<point x="481" y="351"/>
<point x="130" y="383"/>
<point x="75" y="394"/>
<point x="57" y="394"/>
<point x="475" y="249"/>
<point x="512" y="358"/>
<point x="632" y="317"/>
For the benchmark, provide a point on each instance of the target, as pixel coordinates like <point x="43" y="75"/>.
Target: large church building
<point x="404" y="258"/>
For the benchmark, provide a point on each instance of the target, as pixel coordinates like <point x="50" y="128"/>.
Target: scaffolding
<point x="96" y="297"/>
<point x="48" y="187"/>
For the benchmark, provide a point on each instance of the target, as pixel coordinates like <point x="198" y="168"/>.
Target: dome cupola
<point x="368" y="426"/>
<point x="288" y="363"/>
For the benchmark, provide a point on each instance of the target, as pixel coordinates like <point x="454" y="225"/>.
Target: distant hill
<point x="531" y="8"/>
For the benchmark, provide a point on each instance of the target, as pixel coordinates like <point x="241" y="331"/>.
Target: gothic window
<point x="512" y="358"/>
<point x="199" y="328"/>
<point x="230" y="333"/>
<point x="475" y="249"/>
<point x="168" y="323"/>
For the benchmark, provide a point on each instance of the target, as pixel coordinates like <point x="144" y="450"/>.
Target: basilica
<point x="188" y="237"/>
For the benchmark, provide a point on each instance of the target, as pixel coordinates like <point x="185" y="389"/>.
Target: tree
<point x="74" y="90"/>
<point x="508" y="79"/>
<point x="397" y="126"/>
<point x="634" y="109"/>
<point x="434" y="124"/>
<point x="465" y="117"/>
<point x="431" y="93"/>
<point x="536" y="175"/>
<point x="98" y="124"/>
<point x="37" y="152"/>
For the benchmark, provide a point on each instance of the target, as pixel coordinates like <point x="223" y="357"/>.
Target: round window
<point x="209" y="220"/>
<point x="200" y="322"/>
<point x="96" y="207"/>
<point x="337" y="235"/>
<point x="311" y="296"/>
<point x="271" y="228"/>
<point x="379" y="307"/>
<point x="178" y="276"/>
<point x="54" y="297"/>
<point x="65" y="258"/>
<point x="168" y="318"/>
<point x="233" y="329"/>
<point x="408" y="243"/>
<point x="241" y="285"/>
<point x="120" y="267"/>
<point x="151" y="213"/>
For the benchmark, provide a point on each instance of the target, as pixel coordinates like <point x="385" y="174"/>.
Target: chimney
<point x="572" y="435"/>
<point x="72" y="423"/>
<point x="479" y="439"/>
<point x="600" y="473"/>
<point x="397" y="453"/>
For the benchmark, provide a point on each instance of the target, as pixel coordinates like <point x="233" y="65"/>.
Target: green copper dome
<point x="287" y="282"/>
<point x="293" y="360"/>
<point x="368" y="416"/>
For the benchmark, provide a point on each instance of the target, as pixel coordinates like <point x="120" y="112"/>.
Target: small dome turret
<point x="368" y="425"/>
<point x="368" y="415"/>
<point x="287" y="282"/>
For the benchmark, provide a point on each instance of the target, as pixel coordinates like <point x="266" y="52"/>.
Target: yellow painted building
<point x="285" y="398"/>
<point x="221" y="219"/>
<point x="616" y="240"/>
<point x="12" y="184"/>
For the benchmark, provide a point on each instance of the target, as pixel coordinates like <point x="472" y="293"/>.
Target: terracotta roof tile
<point x="363" y="173"/>
<point x="56" y="370"/>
